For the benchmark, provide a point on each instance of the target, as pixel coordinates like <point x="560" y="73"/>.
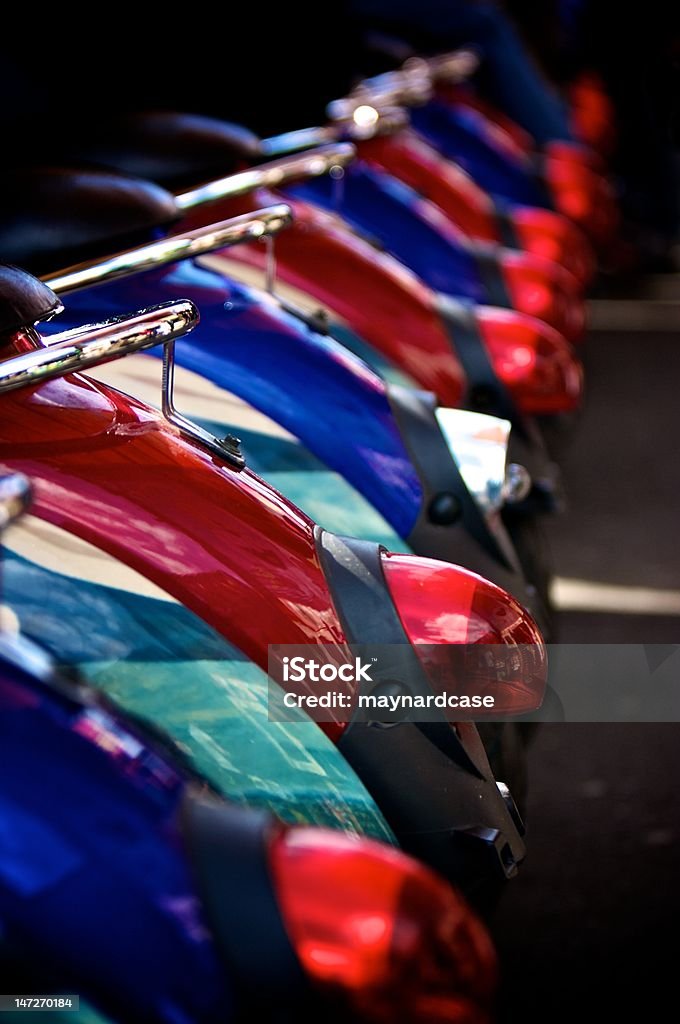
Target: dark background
<point x="589" y="927"/>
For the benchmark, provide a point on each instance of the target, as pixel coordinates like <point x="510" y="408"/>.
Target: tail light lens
<point x="442" y="605"/>
<point x="534" y="362"/>
<point x="582" y="194"/>
<point x="593" y="114"/>
<point x="546" y="291"/>
<point x="551" y="237"/>
<point x="380" y="933"/>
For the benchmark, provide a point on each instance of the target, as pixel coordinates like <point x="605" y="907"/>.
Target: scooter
<point x="317" y="390"/>
<point x="232" y="909"/>
<point x="374" y="204"/>
<point x="181" y="509"/>
<point x="566" y="177"/>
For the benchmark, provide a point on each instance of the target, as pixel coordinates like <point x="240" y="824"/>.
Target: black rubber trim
<point x="227" y="848"/>
<point x="467" y="541"/>
<point x="414" y="413"/>
<point x="506" y="227"/>
<point x="486" y="393"/>
<point x="431" y="780"/>
<point x="491" y="273"/>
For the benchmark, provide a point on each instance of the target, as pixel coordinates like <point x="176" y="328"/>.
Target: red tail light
<point x="440" y="604"/>
<point x="593" y="114"/>
<point x="546" y="291"/>
<point x="581" y="193"/>
<point x="380" y="933"/>
<point x="534" y="362"/>
<point x="552" y="237"/>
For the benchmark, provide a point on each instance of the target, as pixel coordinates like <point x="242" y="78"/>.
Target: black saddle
<point x="51" y="218"/>
<point x="174" y="150"/>
<point x="24" y="301"/>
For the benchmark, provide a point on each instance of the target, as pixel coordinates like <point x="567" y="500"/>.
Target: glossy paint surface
<point x="94" y="880"/>
<point x="409" y="157"/>
<point x="225" y="544"/>
<point x="540" y="232"/>
<point x="419" y="233"/>
<point x="308" y="383"/>
<point x="383" y="301"/>
<point x="160" y="662"/>
<point x="270" y="450"/>
<point x="407" y="226"/>
<point x="463" y="135"/>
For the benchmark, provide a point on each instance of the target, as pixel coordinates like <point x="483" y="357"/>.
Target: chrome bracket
<point x="81" y="348"/>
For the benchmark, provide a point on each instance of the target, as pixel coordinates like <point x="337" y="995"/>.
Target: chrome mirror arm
<point x="247" y="228"/>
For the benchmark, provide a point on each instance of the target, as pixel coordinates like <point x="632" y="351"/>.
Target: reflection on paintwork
<point x="271" y="451"/>
<point x="162" y="662"/>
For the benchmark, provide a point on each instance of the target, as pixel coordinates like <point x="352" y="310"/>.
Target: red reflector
<point x="380" y="932"/>
<point x="582" y="194"/>
<point x="552" y="237"/>
<point x="534" y="362"/>
<point x="546" y="291"/>
<point x="442" y="605"/>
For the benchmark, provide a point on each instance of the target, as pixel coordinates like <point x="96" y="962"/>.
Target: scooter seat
<point x="23" y="300"/>
<point x="174" y="150"/>
<point x="51" y="218"/>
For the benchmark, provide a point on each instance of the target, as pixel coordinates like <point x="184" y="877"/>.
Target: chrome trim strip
<point x="246" y="228"/>
<point x="271" y="175"/>
<point x="83" y="347"/>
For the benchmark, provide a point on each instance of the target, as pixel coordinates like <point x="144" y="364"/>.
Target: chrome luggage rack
<point x="91" y="345"/>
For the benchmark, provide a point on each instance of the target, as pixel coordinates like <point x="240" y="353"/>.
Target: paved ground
<point x="592" y="924"/>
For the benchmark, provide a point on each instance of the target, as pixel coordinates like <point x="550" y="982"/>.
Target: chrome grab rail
<point x="366" y="122"/>
<point x="15" y="497"/>
<point x="274" y="174"/>
<point x="391" y="89"/>
<point x="94" y="344"/>
<point x="247" y="228"/>
<point x="84" y="347"/>
<point x="410" y="86"/>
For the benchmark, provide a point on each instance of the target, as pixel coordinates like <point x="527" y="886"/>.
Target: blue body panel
<point x="308" y="383"/>
<point x="162" y="663"/>
<point x="93" y="877"/>
<point x="462" y="135"/>
<point x="377" y="204"/>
